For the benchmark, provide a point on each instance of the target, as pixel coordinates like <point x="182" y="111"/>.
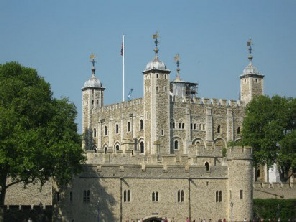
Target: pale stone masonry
<point x="162" y="155"/>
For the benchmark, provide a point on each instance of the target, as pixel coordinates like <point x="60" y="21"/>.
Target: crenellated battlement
<point x="152" y="171"/>
<point x="275" y="190"/>
<point x="237" y="152"/>
<point x="209" y="101"/>
<point x="121" y="105"/>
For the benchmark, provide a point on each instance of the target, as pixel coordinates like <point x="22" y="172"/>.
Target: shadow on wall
<point x="37" y="214"/>
<point x="85" y="199"/>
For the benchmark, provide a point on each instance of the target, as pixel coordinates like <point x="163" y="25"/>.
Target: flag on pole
<point x="122" y="54"/>
<point x="122" y="50"/>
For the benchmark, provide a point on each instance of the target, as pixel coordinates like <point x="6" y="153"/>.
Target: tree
<point x="269" y="128"/>
<point x="38" y="133"/>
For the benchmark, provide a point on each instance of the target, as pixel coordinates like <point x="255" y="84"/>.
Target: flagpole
<point x="123" y="53"/>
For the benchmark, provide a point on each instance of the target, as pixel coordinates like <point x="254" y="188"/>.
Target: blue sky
<point x="57" y="37"/>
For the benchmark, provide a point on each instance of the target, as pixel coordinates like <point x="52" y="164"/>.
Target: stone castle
<point x="165" y="155"/>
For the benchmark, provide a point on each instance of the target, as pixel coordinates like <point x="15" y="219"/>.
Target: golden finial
<point x="92" y="56"/>
<point x="155" y="36"/>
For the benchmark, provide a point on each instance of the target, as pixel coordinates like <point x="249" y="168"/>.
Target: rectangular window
<point x="155" y="196"/>
<point x="219" y="196"/>
<point x="86" y="196"/>
<point x="71" y="196"/>
<point x="241" y="194"/>
<point x="116" y="128"/>
<point x="128" y="126"/>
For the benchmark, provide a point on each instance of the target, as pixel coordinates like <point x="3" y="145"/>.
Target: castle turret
<point x="251" y="81"/>
<point x="156" y="105"/>
<point x="92" y="97"/>
<point x="180" y="88"/>
<point x="240" y="183"/>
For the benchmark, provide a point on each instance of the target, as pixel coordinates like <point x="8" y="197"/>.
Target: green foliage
<point x="275" y="208"/>
<point x="39" y="138"/>
<point x="268" y="128"/>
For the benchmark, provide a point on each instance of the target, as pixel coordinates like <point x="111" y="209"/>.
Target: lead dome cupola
<point x="93" y="82"/>
<point x="155" y="64"/>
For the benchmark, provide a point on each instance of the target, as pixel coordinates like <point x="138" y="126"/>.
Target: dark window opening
<point x="176" y="146"/>
<point x="207" y="166"/>
<point x="142" y="147"/>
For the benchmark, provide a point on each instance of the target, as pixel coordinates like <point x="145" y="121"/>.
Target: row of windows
<point x="154" y="196"/>
<point x="141" y="126"/>
<point x="163" y="76"/>
<point x="117" y="147"/>
<point x="173" y="125"/>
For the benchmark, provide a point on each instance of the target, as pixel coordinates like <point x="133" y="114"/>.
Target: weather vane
<point x="92" y="59"/>
<point x="177" y="60"/>
<point x="249" y="45"/>
<point x="155" y="36"/>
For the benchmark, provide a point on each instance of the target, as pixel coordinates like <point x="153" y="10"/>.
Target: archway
<point x="153" y="219"/>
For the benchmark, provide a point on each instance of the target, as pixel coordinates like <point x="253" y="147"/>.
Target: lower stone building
<point x="207" y="186"/>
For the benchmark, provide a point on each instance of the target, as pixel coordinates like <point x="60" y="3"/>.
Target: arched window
<point x="105" y="149"/>
<point x="181" y="196"/>
<point x="116" y="128"/>
<point x="141" y="124"/>
<point x="207" y="166"/>
<point x="176" y="145"/>
<point x="95" y="132"/>
<point x="238" y="130"/>
<point x="117" y="147"/>
<point x="142" y="147"/>
<point x="154" y="196"/>
<point x="220" y="196"/>
<point x="126" y="196"/>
